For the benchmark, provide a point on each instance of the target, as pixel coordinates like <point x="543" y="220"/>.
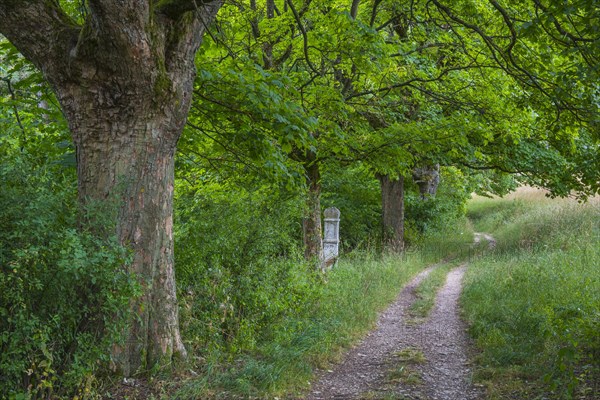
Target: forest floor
<point x="407" y="357"/>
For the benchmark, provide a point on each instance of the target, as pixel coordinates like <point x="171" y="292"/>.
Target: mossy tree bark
<point x="124" y="80"/>
<point x="313" y="237"/>
<point x="392" y="204"/>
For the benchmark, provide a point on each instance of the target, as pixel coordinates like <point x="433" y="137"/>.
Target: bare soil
<point x="488" y="238"/>
<point x="404" y="358"/>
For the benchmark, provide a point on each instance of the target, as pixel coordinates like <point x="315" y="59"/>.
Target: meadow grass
<point x="533" y="304"/>
<point x="351" y="296"/>
<point x="453" y="241"/>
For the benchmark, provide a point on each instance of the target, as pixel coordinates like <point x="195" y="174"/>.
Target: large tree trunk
<point x="124" y="80"/>
<point x="125" y="154"/>
<point x="392" y="205"/>
<point x="132" y="163"/>
<point x="313" y="238"/>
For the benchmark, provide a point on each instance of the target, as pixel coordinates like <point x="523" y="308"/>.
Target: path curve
<point x="488" y="238"/>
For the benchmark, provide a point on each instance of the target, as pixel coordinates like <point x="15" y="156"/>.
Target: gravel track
<point x="367" y="371"/>
<point x="446" y="373"/>
<point x="365" y="365"/>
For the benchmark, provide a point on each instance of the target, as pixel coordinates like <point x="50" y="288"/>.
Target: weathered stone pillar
<point x="331" y="240"/>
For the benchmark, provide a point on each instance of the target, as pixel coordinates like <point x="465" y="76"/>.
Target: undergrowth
<point x="64" y="291"/>
<point x="257" y="317"/>
<point x="533" y="305"/>
<point x="329" y="314"/>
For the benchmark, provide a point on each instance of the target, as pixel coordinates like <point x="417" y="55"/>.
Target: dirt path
<point x="488" y="238"/>
<point x="365" y="365"/>
<point x="407" y="359"/>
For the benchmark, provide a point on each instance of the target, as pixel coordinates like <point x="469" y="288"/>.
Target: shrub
<point x="239" y="265"/>
<point x="63" y="291"/>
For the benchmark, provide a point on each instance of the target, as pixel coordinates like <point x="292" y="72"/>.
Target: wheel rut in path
<point x="367" y="372"/>
<point x="491" y="242"/>
<point x="446" y="373"/>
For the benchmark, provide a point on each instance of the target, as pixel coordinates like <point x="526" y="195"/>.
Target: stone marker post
<point x="331" y="240"/>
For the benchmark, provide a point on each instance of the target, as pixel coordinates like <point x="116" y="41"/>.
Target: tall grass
<point x="453" y="240"/>
<point x="343" y="308"/>
<point x="534" y="304"/>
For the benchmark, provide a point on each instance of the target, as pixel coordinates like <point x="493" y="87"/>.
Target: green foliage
<point x="533" y="305"/>
<point x="238" y="263"/>
<point x="64" y="292"/>
<point x="450" y="240"/>
<point x="355" y="192"/>
<point x="247" y="116"/>
<point x="380" y="91"/>
<point x="30" y="120"/>
<point x="432" y="214"/>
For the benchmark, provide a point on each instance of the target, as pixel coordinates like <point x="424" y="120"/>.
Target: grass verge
<point x="533" y="304"/>
<point x="403" y="370"/>
<point x="427" y="290"/>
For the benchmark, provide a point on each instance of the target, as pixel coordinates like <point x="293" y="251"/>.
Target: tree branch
<point x="374" y="12"/>
<point x="15" y="109"/>
<point x="504" y="58"/>
<point x="410" y="82"/>
<point x="304" y="36"/>
<point x="561" y="29"/>
<point x="176" y="8"/>
<point x="41" y="31"/>
<point x="354" y="8"/>
<point x="187" y="31"/>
